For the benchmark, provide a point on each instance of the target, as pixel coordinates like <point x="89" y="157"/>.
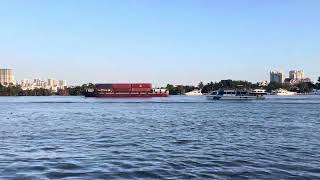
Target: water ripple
<point x="174" y="138"/>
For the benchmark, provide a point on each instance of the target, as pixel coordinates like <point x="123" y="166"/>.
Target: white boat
<point x="258" y="92"/>
<point x="195" y="92"/>
<point x="283" y="92"/>
<point x="233" y="95"/>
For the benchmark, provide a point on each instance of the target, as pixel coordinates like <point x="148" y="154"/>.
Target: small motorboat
<point x="283" y="92"/>
<point x="195" y="92"/>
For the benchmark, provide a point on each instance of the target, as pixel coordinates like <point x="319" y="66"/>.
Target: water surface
<point x="159" y="138"/>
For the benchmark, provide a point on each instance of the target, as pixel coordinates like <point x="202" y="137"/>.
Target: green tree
<point x="62" y="92"/>
<point x="273" y="86"/>
<point x="10" y="90"/>
<point x="200" y="85"/>
<point x="305" y="87"/>
<point x="178" y="90"/>
<point x="228" y="84"/>
<point x="171" y="89"/>
<point x="74" y="91"/>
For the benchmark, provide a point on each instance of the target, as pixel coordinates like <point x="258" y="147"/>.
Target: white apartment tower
<point x="62" y="83"/>
<point x="296" y="75"/>
<point x="6" y="76"/>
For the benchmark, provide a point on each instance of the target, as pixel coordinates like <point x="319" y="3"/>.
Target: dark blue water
<point x="173" y="138"/>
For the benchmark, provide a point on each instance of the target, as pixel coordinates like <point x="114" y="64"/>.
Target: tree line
<point x="16" y="90"/>
<point x="302" y="87"/>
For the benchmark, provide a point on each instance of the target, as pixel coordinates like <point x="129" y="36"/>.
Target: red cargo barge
<point x="126" y="91"/>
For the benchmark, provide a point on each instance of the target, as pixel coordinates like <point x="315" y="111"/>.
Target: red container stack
<point x="136" y="87"/>
<point x="121" y="87"/>
<point x="136" y="90"/>
<point x="141" y="87"/>
<point x="104" y="87"/>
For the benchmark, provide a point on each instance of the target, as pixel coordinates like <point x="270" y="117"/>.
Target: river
<point x="160" y="138"/>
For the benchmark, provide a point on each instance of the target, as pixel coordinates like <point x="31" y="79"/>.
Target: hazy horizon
<point x="177" y="42"/>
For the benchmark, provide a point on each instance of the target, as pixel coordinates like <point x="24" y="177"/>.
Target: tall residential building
<point x="37" y="82"/>
<point x="62" y="83"/>
<point x="55" y="82"/>
<point x="276" y="76"/>
<point x="6" y="76"/>
<point x="50" y="82"/>
<point x="296" y="75"/>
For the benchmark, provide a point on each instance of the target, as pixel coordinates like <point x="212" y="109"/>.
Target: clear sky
<point x="159" y="41"/>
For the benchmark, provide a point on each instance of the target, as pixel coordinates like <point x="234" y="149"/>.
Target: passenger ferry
<point x="234" y="95"/>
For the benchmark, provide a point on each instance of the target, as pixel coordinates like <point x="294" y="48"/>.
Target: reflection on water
<point x="160" y="138"/>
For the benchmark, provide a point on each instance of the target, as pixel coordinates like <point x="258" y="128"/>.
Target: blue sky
<point x="159" y="41"/>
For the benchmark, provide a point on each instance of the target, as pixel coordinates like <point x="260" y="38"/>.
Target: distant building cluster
<point x="6" y="77"/>
<point x="50" y="84"/>
<point x="295" y="77"/>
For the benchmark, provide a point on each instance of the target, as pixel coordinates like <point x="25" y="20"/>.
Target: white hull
<point x="286" y="94"/>
<point x="194" y="93"/>
<point x="233" y="95"/>
<point x="233" y="98"/>
<point x="258" y="92"/>
<point x="283" y="92"/>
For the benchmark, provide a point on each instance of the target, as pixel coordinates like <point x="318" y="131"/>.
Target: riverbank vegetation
<point x="302" y="87"/>
<point x="16" y="90"/>
<point x="318" y="84"/>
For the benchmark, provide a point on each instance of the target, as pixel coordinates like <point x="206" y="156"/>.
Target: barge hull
<point x="129" y="95"/>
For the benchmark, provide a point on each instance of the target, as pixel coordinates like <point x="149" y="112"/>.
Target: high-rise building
<point x="276" y="76"/>
<point x="37" y="82"/>
<point x="6" y="76"/>
<point x="62" y="83"/>
<point x="55" y="83"/>
<point x="50" y="82"/>
<point x="296" y="75"/>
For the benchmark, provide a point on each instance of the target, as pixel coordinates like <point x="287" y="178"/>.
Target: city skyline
<point x="159" y="42"/>
<point x="292" y="77"/>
